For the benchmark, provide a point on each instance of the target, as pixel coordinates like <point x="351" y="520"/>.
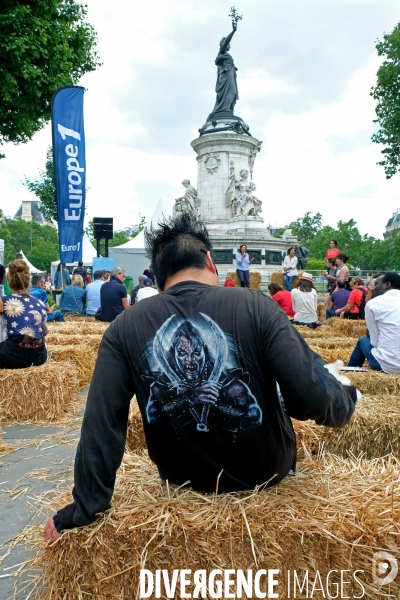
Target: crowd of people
<point x="204" y="361"/>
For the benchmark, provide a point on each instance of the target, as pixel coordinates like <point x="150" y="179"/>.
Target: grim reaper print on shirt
<point x="195" y="378"/>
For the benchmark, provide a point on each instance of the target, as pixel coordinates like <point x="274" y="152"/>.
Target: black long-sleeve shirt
<point x="203" y="362"/>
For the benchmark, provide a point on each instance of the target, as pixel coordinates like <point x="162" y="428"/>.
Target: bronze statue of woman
<point x="226" y="86"/>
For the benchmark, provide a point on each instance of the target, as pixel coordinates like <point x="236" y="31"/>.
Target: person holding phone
<point x="242" y="266"/>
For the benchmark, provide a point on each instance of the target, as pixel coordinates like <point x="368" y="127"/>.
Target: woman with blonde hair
<point x="25" y="318"/>
<point x="73" y="298"/>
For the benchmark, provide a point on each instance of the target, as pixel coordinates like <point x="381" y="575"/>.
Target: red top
<point x="355" y="298"/>
<point x="332" y="253"/>
<point x="284" y="299"/>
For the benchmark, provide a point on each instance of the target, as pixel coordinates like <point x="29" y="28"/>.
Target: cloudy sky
<point x="305" y="71"/>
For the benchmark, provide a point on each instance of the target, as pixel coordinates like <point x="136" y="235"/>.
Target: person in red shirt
<point x="356" y="299"/>
<point x="229" y="282"/>
<point x="333" y="251"/>
<point x="281" y="297"/>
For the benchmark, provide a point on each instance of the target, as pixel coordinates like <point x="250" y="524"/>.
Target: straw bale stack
<point x="375" y="383"/>
<point x="329" y="353"/>
<point x="321" y="311"/>
<point x="255" y="279"/>
<point x="347" y="327"/>
<point x="135" y="440"/>
<point x="37" y="394"/>
<point x="80" y="319"/>
<point x="374" y="431"/>
<point x="333" y="515"/>
<point x="278" y="278"/>
<point x="82" y="359"/>
<point x="73" y="328"/>
<point x="61" y="339"/>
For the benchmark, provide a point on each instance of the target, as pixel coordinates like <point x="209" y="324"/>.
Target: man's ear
<point x="210" y="263"/>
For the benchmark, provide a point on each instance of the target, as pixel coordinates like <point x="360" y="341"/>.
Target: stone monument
<point x="225" y="198"/>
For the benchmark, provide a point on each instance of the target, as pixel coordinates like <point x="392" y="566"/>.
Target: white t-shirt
<point x="304" y="305"/>
<point x="382" y="315"/>
<point x="145" y="292"/>
<point x="292" y="263"/>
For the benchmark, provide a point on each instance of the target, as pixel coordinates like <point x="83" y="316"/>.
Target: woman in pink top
<point x="281" y="297"/>
<point x="333" y="250"/>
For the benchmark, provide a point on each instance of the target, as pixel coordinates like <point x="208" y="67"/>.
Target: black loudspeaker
<point x="103" y="228"/>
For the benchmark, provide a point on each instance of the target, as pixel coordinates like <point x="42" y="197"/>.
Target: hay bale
<point x="254" y="278"/>
<point x="373" y="431"/>
<point x="37" y="394"/>
<point x="278" y="278"/>
<point x="80" y="319"/>
<point x="333" y="515"/>
<point x="346" y="327"/>
<point x="61" y="339"/>
<point x="82" y="359"/>
<point x="135" y="440"/>
<point x="375" y="383"/>
<point x="73" y="328"/>
<point x="321" y="311"/>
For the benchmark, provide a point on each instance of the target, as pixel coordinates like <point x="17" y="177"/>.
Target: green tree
<point x="45" y="188"/>
<point x="44" y="44"/>
<point x="306" y="227"/>
<point x="38" y="242"/>
<point x="387" y="96"/>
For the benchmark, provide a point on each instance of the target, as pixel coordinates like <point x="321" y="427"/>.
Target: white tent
<point x="88" y="253"/>
<point x="32" y="269"/>
<point x="131" y="255"/>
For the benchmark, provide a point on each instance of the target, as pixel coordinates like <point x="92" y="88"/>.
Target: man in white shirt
<point x="382" y="315"/>
<point x="93" y="293"/>
<point x="146" y="291"/>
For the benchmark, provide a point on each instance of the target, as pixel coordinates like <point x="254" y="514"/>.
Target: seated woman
<point x="354" y="309"/>
<point x="337" y="300"/>
<point x="73" y="298"/>
<point x="304" y="302"/>
<point x="229" y="282"/>
<point x="281" y="297"/>
<point x="25" y="318"/>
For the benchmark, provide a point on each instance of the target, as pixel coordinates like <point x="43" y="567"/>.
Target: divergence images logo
<point x="381" y="561"/>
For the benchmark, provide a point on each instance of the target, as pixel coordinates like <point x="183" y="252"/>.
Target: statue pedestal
<point x="215" y="151"/>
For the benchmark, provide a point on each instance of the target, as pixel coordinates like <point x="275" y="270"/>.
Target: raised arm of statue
<point x="224" y="46"/>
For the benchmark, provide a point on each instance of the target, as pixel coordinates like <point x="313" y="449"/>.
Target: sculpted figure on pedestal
<point x="189" y="202"/>
<point x="240" y="197"/>
<point x="226" y="86"/>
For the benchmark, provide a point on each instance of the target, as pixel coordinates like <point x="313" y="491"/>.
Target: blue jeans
<point x="288" y="279"/>
<point x="56" y="315"/>
<point x="330" y="312"/>
<point x="361" y="352"/>
<point x="243" y="277"/>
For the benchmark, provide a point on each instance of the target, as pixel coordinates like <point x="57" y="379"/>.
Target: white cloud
<point x="305" y="72"/>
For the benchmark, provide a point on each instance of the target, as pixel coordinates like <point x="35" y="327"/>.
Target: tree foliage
<point x="306" y="227"/>
<point x="364" y="251"/>
<point x="44" y="44"/>
<point x="39" y="243"/>
<point x="387" y="96"/>
<point x="45" y="188"/>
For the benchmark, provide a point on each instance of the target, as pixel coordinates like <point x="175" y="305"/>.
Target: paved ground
<point x="33" y="468"/>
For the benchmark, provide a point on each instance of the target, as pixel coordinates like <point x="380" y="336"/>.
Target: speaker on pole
<point x="103" y="229"/>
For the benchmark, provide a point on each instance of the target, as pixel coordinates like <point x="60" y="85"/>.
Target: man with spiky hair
<point x="203" y="362"/>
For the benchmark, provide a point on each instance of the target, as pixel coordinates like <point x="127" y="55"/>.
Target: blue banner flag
<point x="70" y="169"/>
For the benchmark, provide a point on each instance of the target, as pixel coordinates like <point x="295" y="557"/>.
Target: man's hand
<point x="50" y="309"/>
<point x="50" y="533"/>
<point x="207" y="393"/>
